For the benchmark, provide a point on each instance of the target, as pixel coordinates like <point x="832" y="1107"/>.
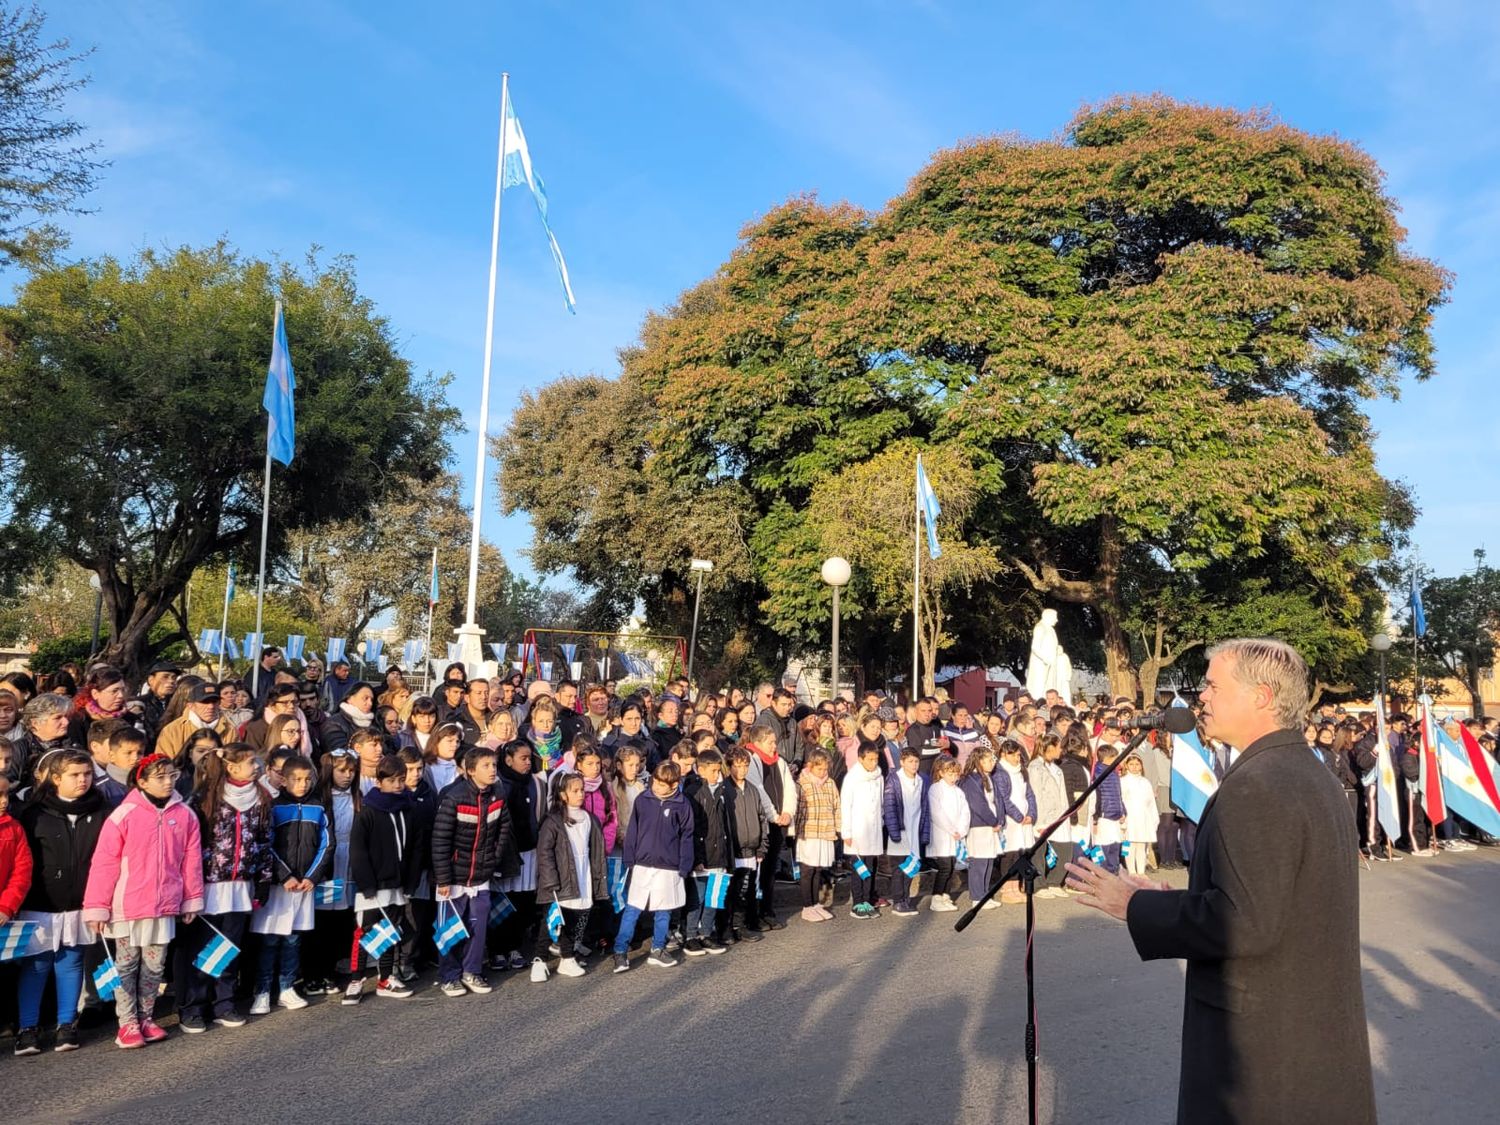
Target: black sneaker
<point x="771" y="922"/>
<point x="192" y="1023"/>
<point x="66" y="1038"/>
<point x="749" y="934"/>
<point x="662" y="959"/>
<point x="26" y="1042"/>
<point x="713" y="945"/>
<point x="622" y="963"/>
<point x="727" y="938"/>
<point x="693" y="947"/>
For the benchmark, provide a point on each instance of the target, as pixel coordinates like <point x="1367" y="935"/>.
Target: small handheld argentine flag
<point x="217" y="955"/>
<point x="554" y="921"/>
<point x="1124" y="848"/>
<point x="1051" y="857"/>
<point x="961" y="853"/>
<point x="15" y="939"/>
<point x="330" y="893"/>
<point x="859" y="867"/>
<point x="448" y="933"/>
<point x="380" y="937"/>
<point x="1096" y="853"/>
<point x="796" y="871"/>
<point x="910" y="866"/>
<point x="716" y="893"/>
<point x="501" y="907"/>
<point x="106" y="979"/>
<point x="615" y="866"/>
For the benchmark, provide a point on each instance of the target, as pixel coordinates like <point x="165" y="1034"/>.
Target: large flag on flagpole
<point x="1429" y="776"/>
<point x="1463" y="788"/>
<point x="928" y="509"/>
<point x="280" y="383"/>
<point x="1482" y="765"/>
<point x="518" y="170"/>
<point x="1418" y="615"/>
<point x="1387" y="809"/>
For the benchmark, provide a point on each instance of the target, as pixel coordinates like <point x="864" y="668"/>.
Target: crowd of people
<point x="257" y="842"/>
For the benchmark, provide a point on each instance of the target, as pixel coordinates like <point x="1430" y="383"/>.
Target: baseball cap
<point x="204" y="693"/>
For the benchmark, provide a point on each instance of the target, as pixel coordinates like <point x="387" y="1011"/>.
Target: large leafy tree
<point x="133" y="438"/>
<point x="46" y="167"/>
<point x="1463" y="619"/>
<point x="1151" y="339"/>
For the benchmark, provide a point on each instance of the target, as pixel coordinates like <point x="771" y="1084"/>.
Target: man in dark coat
<point x="1269" y="923"/>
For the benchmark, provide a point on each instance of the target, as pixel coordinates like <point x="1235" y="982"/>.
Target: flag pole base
<point x="471" y="649"/>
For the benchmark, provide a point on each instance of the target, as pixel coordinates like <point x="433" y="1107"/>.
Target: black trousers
<point x="775" y="842"/>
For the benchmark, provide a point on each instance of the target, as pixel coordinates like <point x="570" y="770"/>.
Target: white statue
<point x="1049" y="667"/>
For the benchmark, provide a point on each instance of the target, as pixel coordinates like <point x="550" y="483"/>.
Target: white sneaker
<point x="569" y="967"/>
<point x="352" y="992"/>
<point x="291" y="1000"/>
<point x="539" y="971"/>
<point x="941" y="904"/>
<point x="261" y="1005"/>
<point x="991" y="905"/>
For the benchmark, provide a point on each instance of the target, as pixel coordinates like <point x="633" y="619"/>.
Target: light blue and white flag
<point x="380" y="937"/>
<point x="336" y="650"/>
<point x="501" y="907"/>
<point x="1193" y="777"/>
<point x="231" y="648"/>
<point x="253" y="643"/>
<point x="910" y="866"/>
<point x="1096" y="853"/>
<point x="547" y="670"/>
<point x="210" y="642"/>
<point x="1383" y="777"/>
<point x="330" y="893"/>
<point x="455" y="652"/>
<point x="411" y="655"/>
<point x="1462" y="788"/>
<point x="106" y="979"/>
<point x="1124" y="849"/>
<point x="1051" y="857"/>
<point x="16" y="938"/>
<point x="373" y="648"/>
<point x="554" y="921"/>
<point x="1418" y="614"/>
<point x="518" y="170"/>
<point x="498" y="649"/>
<point x="568" y="652"/>
<point x="448" y="932"/>
<point x="796" y="872"/>
<point x="961" y="853"/>
<point x="217" y="955"/>
<point x="280" y="383"/>
<point x="229" y="583"/>
<point x="295" y="643"/>
<point x="860" y="868"/>
<point x="716" y="893"/>
<point x="928" y="509"/>
<point x="614" y="866"/>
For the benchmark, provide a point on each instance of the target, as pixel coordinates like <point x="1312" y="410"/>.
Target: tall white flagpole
<point x="470" y="632"/>
<point x="427" y="651"/>
<point x="265" y="524"/>
<point x="224" y="625"/>
<point x="916" y="583"/>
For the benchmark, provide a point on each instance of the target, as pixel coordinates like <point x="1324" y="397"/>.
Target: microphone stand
<point x="1024" y="869"/>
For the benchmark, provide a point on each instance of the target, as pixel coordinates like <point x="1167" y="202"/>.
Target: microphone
<point x="1174" y="720"/>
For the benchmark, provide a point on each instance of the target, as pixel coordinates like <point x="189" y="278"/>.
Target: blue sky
<point x="370" y="129"/>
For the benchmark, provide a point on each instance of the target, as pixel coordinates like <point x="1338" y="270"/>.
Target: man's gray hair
<point x="1264" y="660"/>
<point x="45" y="706"/>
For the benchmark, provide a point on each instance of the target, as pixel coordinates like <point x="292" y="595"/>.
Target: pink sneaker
<point x="129" y="1036"/>
<point x="151" y="1031"/>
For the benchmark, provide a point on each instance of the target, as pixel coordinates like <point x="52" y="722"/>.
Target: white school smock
<point x="655" y="888"/>
<point x="984" y="839"/>
<point x="860" y="800"/>
<point x="1139" y="795"/>
<point x="949" y="810"/>
<point x="1018" y="835"/>
<point x="284" y="912"/>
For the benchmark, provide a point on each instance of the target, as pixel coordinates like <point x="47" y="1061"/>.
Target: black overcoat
<point x="1273" y="1027"/>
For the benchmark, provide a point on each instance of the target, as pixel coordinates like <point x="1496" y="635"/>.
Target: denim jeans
<point x="467" y="956"/>
<point x="661" y="924"/>
<point x="701" y="917"/>
<point x="287" y="949"/>
<point x="66" y="964"/>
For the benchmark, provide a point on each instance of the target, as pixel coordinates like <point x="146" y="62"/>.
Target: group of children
<point x="275" y="878"/>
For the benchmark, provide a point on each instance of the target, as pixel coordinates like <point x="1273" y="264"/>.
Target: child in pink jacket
<point x="147" y="870"/>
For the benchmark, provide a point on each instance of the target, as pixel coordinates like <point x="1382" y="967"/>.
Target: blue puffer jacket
<point x="980" y="813"/>
<point x="661" y="833"/>
<point x="1109" y="805"/>
<point x="1003" y="787"/>
<point x="893" y="810"/>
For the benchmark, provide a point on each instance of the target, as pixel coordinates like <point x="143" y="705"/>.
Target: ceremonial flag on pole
<point x="1193" y="777"/>
<point x="1463" y="786"/>
<point x="280" y="382"/>
<point x="229" y="584"/>
<point x="518" y="170"/>
<point x="1429" y="777"/>
<point x="1482" y="765"/>
<point x="1418" y="617"/>
<point x="1387" y="809"/>
<point x="432" y="589"/>
<point x="927" y="506"/>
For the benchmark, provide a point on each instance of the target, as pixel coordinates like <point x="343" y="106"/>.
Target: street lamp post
<point x="702" y="566"/>
<point x="98" y="614"/>
<point x="1381" y="643"/>
<point x="836" y="574"/>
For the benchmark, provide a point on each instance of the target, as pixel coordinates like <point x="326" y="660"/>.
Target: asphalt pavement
<point x="888" y="1020"/>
